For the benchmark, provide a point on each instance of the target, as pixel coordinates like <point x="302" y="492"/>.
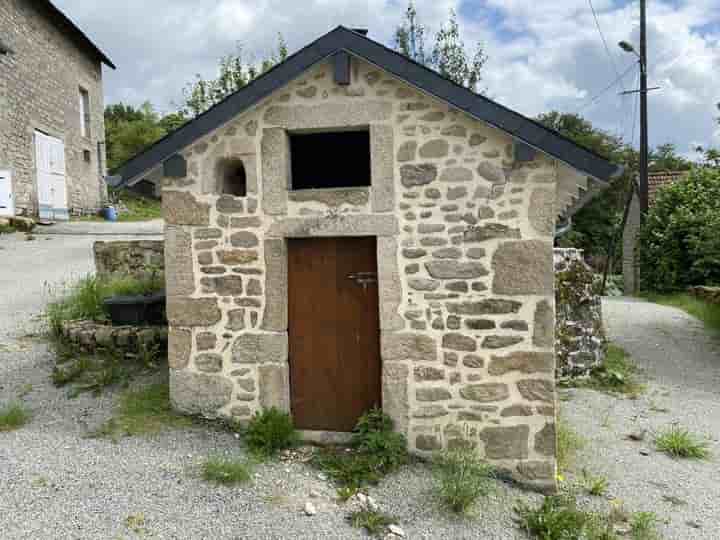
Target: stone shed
<point x="352" y="230"/>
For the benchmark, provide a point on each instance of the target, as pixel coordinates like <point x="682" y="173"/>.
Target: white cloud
<point x="542" y="57"/>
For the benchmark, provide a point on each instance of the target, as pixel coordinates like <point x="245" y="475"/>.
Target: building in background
<point x="52" y="132"/>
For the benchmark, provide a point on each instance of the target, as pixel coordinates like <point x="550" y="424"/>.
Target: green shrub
<point x="461" y="478"/>
<point x="559" y="518"/>
<point x="373" y="521"/>
<point x="226" y="471"/>
<point x="13" y="416"/>
<point x="270" y="431"/>
<point x="678" y="442"/>
<point x="679" y="244"/>
<point x="376" y="450"/>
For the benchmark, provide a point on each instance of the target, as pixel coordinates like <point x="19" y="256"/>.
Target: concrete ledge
<point x="325" y="437"/>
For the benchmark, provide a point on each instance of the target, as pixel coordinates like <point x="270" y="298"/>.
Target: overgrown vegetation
<point x="679" y="442"/>
<point x="374" y="522"/>
<point x="560" y="518"/>
<point x="136" y="207"/>
<point x="376" y="450"/>
<point x="568" y="443"/>
<point x="708" y="313"/>
<point x="679" y="244"/>
<point x="461" y="478"/>
<point x="226" y="471"/>
<point x="270" y="431"/>
<point x="7" y="229"/>
<point x="594" y="485"/>
<point x="617" y="374"/>
<point x="13" y="416"/>
<point x="106" y="367"/>
<point x="83" y="300"/>
<point x="141" y="412"/>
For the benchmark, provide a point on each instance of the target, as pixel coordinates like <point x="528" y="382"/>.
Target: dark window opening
<point x="330" y="160"/>
<point x="232" y="179"/>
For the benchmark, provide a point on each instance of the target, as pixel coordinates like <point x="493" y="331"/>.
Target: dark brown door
<point x="334" y="331"/>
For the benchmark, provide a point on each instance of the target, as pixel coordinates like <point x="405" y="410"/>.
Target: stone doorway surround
<point x="275" y="319"/>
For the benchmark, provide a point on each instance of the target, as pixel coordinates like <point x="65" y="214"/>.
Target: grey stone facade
<point x="465" y="271"/>
<point x="129" y="257"/>
<point x="40" y="85"/>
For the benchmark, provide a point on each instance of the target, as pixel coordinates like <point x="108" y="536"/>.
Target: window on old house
<point x="231" y="177"/>
<point x="84" y="113"/>
<point x="330" y="159"/>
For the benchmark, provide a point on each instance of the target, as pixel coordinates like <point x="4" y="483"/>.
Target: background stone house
<point x="631" y="262"/>
<point x="52" y="132"/>
<point x="350" y="230"/>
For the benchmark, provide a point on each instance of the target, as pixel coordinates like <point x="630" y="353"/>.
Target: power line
<point x="602" y="37"/>
<point x="608" y="87"/>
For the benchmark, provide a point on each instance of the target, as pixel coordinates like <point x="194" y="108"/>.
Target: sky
<point x="542" y="55"/>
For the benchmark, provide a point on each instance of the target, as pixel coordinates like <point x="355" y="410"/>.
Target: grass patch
<point x="679" y="442"/>
<point x="708" y="313"/>
<point x="568" y="443"/>
<point x="594" y="485"/>
<point x="84" y="299"/>
<point x="374" y="522"/>
<point x="7" y="229"/>
<point x="142" y="412"/>
<point x="375" y="451"/>
<point x="226" y="471"/>
<point x="13" y="416"/>
<point x="270" y="431"/>
<point x="461" y="478"/>
<point x="616" y="375"/>
<point x="139" y="208"/>
<point x="560" y="518"/>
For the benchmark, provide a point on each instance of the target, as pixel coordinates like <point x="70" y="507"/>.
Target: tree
<point x="129" y="130"/>
<point x="665" y="158"/>
<point x="233" y="74"/>
<point x="410" y="36"/>
<point x="449" y="56"/>
<point x="451" y="60"/>
<point x="597" y="223"/>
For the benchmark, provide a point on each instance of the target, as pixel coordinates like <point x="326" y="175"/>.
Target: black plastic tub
<point x="136" y="310"/>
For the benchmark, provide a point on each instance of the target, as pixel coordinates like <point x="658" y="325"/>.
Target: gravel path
<point x="682" y="363"/>
<point x="58" y="484"/>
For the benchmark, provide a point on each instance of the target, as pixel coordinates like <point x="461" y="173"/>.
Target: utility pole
<point x="643" y="115"/>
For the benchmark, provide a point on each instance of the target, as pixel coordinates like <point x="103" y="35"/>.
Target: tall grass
<point x="83" y="300"/>
<point x="708" y="313"/>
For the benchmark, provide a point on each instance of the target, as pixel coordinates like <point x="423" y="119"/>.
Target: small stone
<point x="396" y="530"/>
<point x="310" y="509"/>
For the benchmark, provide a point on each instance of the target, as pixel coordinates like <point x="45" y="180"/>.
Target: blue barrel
<point x="109" y="213"/>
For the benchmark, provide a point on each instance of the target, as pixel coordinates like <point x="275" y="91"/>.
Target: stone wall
<point x="92" y="336"/>
<point x="129" y="257"/>
<point x="39" y="90"/>
<point x="465" y="270"/>
<point x="580" y="342"/>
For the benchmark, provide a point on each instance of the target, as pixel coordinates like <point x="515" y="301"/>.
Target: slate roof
<point x="342" y="39"/>
<point x="64" y="23"/>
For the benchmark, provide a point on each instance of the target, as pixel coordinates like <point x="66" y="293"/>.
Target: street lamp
<point x="627" y="47"/>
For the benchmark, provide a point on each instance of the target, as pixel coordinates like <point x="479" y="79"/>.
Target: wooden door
<point x="334" y="331"/>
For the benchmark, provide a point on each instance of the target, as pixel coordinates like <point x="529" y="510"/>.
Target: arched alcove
<point x="231" y="177"/>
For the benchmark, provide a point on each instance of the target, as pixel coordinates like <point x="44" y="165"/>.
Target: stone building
<point x="352" y="230"/>
<point x="631" y="263"/>
<point x="52" y="133"/>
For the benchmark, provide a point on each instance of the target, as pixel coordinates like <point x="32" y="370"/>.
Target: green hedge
<point x="680" y="239"/>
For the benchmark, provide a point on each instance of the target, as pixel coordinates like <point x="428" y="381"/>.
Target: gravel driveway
<point x="682" y="363"/>
<point x="58" y="484"/>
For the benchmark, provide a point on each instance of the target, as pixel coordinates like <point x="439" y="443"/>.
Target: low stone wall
<point x="709" y="294"/>
<point x="580" y="342"/>
<point x="132" y="257"/>
<point x="91" y="336"/>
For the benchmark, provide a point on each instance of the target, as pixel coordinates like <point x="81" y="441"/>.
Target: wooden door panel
<point x="333" y="331"/>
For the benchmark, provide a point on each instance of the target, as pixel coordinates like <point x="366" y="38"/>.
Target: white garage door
<point x="7" y="208"/>
<point x="50" y="166"/>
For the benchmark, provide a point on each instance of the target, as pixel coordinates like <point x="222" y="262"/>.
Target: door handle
<point x="363" y="278"/>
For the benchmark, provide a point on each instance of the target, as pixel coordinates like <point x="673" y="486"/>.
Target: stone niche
<point x="465" y="268"/>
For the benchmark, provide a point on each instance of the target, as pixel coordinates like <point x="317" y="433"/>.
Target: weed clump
<point x="461" y="478"/>
<point x="13" y="416"/>
<point x="225" y="471"/>
<point x="679" y="442"/>
<point x="270" y="431"/>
